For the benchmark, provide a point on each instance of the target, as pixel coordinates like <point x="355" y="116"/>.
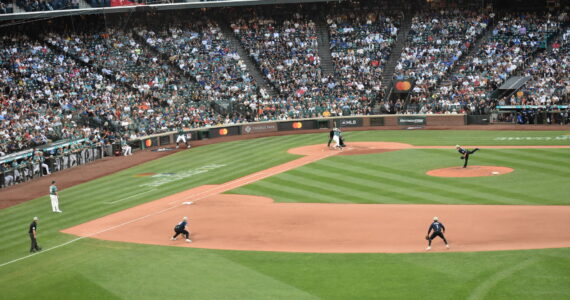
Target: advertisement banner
<point x="258" y="128"/>
<point x="348" y="122"/>
<point x="152" y="142"/>
<point x="224" y="131"/>
<point x="297" y="125"/>
<point x="412" y="120"/>
<point x="164" y="140"/>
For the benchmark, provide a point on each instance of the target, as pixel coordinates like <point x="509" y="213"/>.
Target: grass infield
<point x="94" y="269"/>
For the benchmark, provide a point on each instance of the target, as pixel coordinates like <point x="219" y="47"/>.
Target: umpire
<point x="331" y="135"/>
<point x="438" y="230"/>
<point x="33" y="236"/>
<point x="180" y="228"/>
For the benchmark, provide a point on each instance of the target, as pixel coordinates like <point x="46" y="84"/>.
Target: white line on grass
<point x="90" y="235"/>
<point x="113" y="202"/>
<point x="46" y="250"/>
<point x="149" y="215"/>
<point x="223" y="185"/>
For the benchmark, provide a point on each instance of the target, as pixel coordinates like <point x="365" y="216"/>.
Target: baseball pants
<point x="433" y="235"/>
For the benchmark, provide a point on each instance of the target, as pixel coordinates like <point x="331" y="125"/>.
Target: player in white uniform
<point x="336" y="139"/>
<point x="54" y="197"/>
<point x="181" y="138"/>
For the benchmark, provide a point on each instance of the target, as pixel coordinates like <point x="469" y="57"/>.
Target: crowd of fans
<point x="47" y="5"/>
<point x="436" y="41"/>
<point x="513" y="42"/>
<point x="113" y="84"/>
<point x="201" y="51"/>
<point x="550" y="83"/>
<point x="361" y="42"/>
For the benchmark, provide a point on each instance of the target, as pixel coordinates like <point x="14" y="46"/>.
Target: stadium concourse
<point x="109" y="79"/>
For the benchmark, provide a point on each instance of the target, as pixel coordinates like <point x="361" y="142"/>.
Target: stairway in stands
<point x="252" y="66"/>
<point x="390" y="66"/>
<point x="183" y="76"/>
<point x="469" y="55"/>
<point x="327" y="66"/>
<point x="401" y="40"/>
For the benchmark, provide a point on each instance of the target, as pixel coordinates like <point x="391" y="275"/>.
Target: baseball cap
<point x="435" y="218"/>
<point x="36" y="218"/>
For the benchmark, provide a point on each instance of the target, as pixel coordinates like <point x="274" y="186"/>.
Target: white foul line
<point x="149" y="215"/>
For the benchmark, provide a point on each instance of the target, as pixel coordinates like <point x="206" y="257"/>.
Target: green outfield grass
<point x="93" y="269"/>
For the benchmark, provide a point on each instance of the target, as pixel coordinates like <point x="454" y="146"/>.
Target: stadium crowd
<point x="361" y="42"/>
<point x="200" y="50"/>
<point x="117" y="83"/>
<point x="511" y="44"/>
<point x="436" y="42"/>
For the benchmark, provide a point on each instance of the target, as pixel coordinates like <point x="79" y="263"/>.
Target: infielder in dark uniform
<point x="180" y="228"/>
<point x="465" y="154"/>
<point x="32" y="233"/>
<point x="438" y="230"/>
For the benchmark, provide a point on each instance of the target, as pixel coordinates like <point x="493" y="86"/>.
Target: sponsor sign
<point x="164" y="140"/>
<point x="224" y="131"/>
<point x="257" y="128"/>
<point x="412" y="120"/>
<point x="377" y="121"/>
<point x="402" y="86"/>
<point x="151" y="142"/>
<point x="297" y="125"/>
<point x="348" y="122"/>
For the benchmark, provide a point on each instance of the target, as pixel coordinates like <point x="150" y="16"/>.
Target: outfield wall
<point x="303" y="125"/>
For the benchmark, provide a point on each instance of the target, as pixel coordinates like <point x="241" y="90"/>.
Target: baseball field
<point x="112" y="239"/>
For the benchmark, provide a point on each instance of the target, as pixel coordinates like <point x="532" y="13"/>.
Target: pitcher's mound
<point x="470" y="171"/>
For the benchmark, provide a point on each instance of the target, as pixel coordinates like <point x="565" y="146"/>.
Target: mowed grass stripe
<point x="93" y="204"/>
<point x="501" y="159"/>
<point x="471" y="190"/>
<point x="563" y="154"/>
<point x="408" y="193"/>
<point x="439" y="187"/>
<point x="111" y="193"/>
<point x="345" y="187"/>
<point x="385" y="186"/>
<point x="290" y="195"/>
<point x="540" y="161"/>
<point x="488" y="189"/>
<point x="373" y="192"/>
<point x="311" y="191"/>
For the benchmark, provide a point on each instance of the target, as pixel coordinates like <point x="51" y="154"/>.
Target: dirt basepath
<point x="243" y="222"/>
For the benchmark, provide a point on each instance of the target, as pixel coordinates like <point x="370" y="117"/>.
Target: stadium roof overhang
<point x="154" y="7"/>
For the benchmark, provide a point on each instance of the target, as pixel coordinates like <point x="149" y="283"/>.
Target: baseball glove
<point x="462" y="157"/>
<point x="427" y="237"/>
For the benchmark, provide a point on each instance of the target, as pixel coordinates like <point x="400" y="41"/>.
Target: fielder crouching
<point x="438" y="230"/>
<point x="180" y="228"/>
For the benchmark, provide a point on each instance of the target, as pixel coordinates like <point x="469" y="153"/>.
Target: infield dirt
<point x="243" y="222"/>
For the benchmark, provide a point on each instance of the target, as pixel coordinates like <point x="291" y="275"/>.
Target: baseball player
<point x="438" y="230"/>
<point x="127" y="150"/>
<point x="465" y="154"/>
<point x="336" y="139"/>
<point x="331" y="135"/>
<point x="33" y="235"/>
<point x="180" y="228"/>
<point x="181" y="137"/>
<point x="54" y="197"/>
